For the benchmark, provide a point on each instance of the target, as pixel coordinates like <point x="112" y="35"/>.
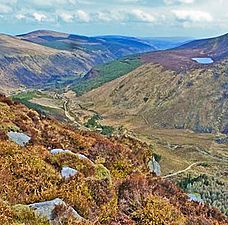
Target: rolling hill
<point x="25" y="64"/>
<point x="106" y="48"/>
<point x="42" y="57"/>
<point x="170" y="90"/>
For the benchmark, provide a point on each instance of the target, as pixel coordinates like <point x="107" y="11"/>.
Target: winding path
<point x="182" y="171"/>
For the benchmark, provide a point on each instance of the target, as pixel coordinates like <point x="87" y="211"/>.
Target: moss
<point x="24" y="215"/>
<point x="102" y="172"/>
<point x="157" y="211"/>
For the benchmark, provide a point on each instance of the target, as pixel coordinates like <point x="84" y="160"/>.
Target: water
<point x="19" y="138"/>
<point x="207" y="60"/>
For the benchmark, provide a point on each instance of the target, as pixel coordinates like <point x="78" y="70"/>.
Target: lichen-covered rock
<point x="154" y="166"/>
<point x="19" y="138"/>
<point x="68" y="172"/>
<point x="47" y="209"/>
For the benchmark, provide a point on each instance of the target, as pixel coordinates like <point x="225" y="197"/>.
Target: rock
<point x="19" y="138"/>
<point x="154" y="166"/>
<point x="81" y="156"/>
<point x="68" y="172"/>
<point x="59" y="150"/>
<point x="46" y="209"/>
<point x="195" y="197"/>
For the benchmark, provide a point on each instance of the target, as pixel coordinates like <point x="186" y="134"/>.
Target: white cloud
<point x="192" y="16"/>
<point x="39" y="16"/>
<point x="66" y="17"/>
<point x="20" y="16"/>
<point x="169" y="2"/>
<point x="142" y="16"/>
<point x="4" y="9"/>
<point x="82" y="16"/>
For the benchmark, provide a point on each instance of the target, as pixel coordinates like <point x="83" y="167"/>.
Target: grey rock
<point x="19" y="138"/>
<point x="154" y="166"/>
<point x="45" y="209"/>
<point x="68" y="172"/>
<point x="59" y="150"/>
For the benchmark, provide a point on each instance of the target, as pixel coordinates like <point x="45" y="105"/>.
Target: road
<point x="182" y="171"/>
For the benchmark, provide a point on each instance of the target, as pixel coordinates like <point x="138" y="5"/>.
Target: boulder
<point x="19" y="138"/>
<point x="68" y="172"/>
<point x="154" y="167"/>
<point x="46" y="209"/>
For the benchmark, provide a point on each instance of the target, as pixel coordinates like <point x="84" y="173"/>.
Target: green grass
<point x="25" y="98"/>
<point x="106" y="73"/>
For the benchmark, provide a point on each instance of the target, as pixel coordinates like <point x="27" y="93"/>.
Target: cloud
<point x="20" y="16"/>
<point x="78" y="16"/>
<point x="39" y="16"/>
<point x="192" y="16"/>
<point x="169" y="2"/>
<point x="4" y="9"/>
<point x="66" y="17"/>
<point x="82" y="16"/>
<point x="142" y="16"/>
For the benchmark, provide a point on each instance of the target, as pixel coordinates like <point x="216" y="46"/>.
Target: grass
<point x="25" y="98"/>
<point x="106" y="73"/>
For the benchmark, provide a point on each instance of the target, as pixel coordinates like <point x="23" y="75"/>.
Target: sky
<point x="143" y="18"/>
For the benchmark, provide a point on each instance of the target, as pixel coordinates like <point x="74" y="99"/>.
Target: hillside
<point x="24" y="64"/>
<point x="109" y="181"/>
<point x="48" y="57"/>
<point x="106" y="48"/>
<point x="178" y="60"/>
<point x="216" y="47"/>
<point x="170" y="90"/>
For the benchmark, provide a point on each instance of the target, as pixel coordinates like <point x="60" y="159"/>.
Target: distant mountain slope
<point x="24" y="63"/>
<point x="163" y="43"/>
<point x="178" y="60"/>
<point x="43" y="57"/>
<point x="170" y="90"/>
<point x="216" y="47"/>
<point x="108" y="47"/>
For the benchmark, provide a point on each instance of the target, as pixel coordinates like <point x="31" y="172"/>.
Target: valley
<point x="164" y="100"/>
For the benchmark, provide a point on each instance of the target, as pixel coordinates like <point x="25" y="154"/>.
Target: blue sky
<point x="151" y="18"/>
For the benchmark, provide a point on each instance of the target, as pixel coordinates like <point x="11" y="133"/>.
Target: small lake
<point x="206" y="60"/>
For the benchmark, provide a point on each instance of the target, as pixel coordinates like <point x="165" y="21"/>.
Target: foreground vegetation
<point x="113" y="184"/>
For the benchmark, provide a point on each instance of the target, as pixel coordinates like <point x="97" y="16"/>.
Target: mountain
<point x="215" y="47"/>
<point x="43" y="57"/>
<point x="163" y="43"/>
<point x="25" y="64"/>
<point x="170" y="90"/>
<point x="108" y="47"/>
<point x="55" y="174"/>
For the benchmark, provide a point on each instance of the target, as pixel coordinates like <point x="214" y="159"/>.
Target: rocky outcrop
<point x="48" y="209"/>
<point x="154" y="167"/>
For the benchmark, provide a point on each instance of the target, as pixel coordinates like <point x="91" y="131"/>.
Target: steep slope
<point x="171" y="90"/>
<point x="106" y="48"/>
<point x="216" y="47"/>
<point x="26" y="64"/>
<point x="42" y="57"/>
<point x="112" y="184"/>
<point x="179" y="60"/>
